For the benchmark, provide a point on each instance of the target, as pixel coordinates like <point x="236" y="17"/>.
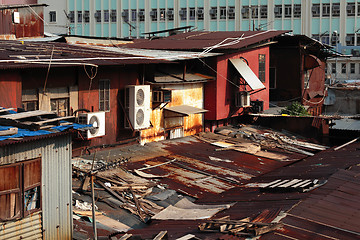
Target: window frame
<point x="350" y="9"/>
<point x="335" y="13"/>
<point x="352" y="68"/>
<point x="262" y="67"/>
<point x="297" y="11"/>
<point x="52" y="16"/>
<point x="213" y="16"/>
<point x="278" y="14"/>
<point x="287" y="11"/>
<point x="162" y="14"/>
<point x="67" y="103"/>
<point x="315" y="10"/>
<point x="79" y="16"/>
<point x="192" y="13"/>
<point x="102" y="102"/>
<point x="343" y="68"/>
<point x="21" y="189"/>
<point x="263" y="11"/>
<point x="326" y="10"/>
<point x="223" y="12"/>
<point x="106" y="15"/>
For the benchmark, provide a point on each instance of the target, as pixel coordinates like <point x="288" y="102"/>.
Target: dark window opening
<point x="104" y="95"/>
<point x="297" y="10"/>
<point x="222" y="12"/>
<point x="343" y="68"/>
<point x="200" y="13"/>
<point x="213" y="13"/>
<point x="52" y="16"/>
<point x="336" y="9"/>
<point x="231" y="13"/>
<point x="262" y="67"/>
<point x="315" y="10"/>
<point x="86" y="16"/>
<point x="106" y="16"/>
<point x="326" y="9"/>
<point x="71" y="16"/>
<point x="183" y="14"/>
<point x="287" y="11"/>
<point x="263" y="11"/>
<point x="278" y="11"/>
<point x="113" y="16"/>
<point x="162" y="15"/>
<point x="192" y="14"/>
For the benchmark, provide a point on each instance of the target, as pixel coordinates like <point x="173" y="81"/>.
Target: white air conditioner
<point x="137" y="105"/>
<point x="242" y="99"/>
<point x="97" y="120"/>
<point x="231" y="11"/>
<point x="200" y="11"/>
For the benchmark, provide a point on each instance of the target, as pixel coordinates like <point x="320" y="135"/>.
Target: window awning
<point x="186" y="110"/>
<point x="249" y="76"/>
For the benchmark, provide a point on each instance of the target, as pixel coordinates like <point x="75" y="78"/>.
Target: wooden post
<point x="93" y="206"/>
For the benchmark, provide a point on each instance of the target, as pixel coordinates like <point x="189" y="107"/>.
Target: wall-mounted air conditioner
<point x="242" y="99"/>
<point x="213" y="11"/>
<point x="137" y="106"/>
<point x="231" y="11"/>
<point x="97" y="120"/>
<point x="170" y="12"/>
<point x="200" y="11"/>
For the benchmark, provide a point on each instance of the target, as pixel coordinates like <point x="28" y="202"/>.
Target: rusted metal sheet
<point x="27" y="228"/>
<point x="31" y="23"/>
<point x="55" y="153"/>
<point x="162" y="121"/>
<point x="203" y="40"/>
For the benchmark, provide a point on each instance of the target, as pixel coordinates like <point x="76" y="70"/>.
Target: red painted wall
<point x="119" y="77"/>
<point x="219" y="99"/>
<point x="10" y="90"/>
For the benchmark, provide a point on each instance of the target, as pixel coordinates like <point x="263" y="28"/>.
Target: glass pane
<point x="32" y="199"/>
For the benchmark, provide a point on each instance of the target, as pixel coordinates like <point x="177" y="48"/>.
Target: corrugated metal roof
<point x="185" y="110"/>
<point x="20" y="54"/>
<point x="346" y="124"/>
<point x="225" y="40"/>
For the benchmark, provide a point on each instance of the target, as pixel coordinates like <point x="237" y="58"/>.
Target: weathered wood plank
<point x="54" y="120"/>
<point x="28" y="114"/>
<point x="10" y="131"/>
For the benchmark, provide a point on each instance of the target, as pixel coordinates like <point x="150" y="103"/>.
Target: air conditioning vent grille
<point x="94" y="121"/>
<point x="140" y="116"/>
<point x="140" y="97"/>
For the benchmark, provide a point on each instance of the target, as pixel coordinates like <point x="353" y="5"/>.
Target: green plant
<point x="295" y="109"/>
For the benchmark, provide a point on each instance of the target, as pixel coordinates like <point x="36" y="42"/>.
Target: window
<point x="297" y="10"/>
<point x="106" y="16"/>
<point x="306" y="79"/>
<point x="162" y="15"/>
<point x="254" y="11"/>
<point x="333" y="67"/>
<point x="350" y="9"/>
<point x="20" y="192"/>
<point x="192" y="14"/>
<point x="79" y="16"/>
<point x="133" y="15"/>
<point x="334" y="39"/>
<point x="52" y="16"/>
<point x="113" y="16"/>
<point x="350" y="39"/>
<point x="316" y="36"/>
<point x="104" y="95"/>
<point x="222" y="12"/>
<point x="30" y="99"/>
<point x="161" y="96"/>
<point x="141" y="15"/>
<point x="358" y="39"/>
<point x="170" y="14"/>
<point x="262" y="67"/>
<point x="352" y="67"/>
<point x="287" y="11"/>
<point x="278" y="11"/>
<point x="200" y="13"/>
<point x="71" y="16"/>
<point x="86" y="16"/>
<point x="60" y="106"/>
<point x="326" y="9"/>
<point x="343" y="68"/>
<point x="98" y="15"/>
<point x="324" y="38"/>
<point x="263" y="11"/>
<point x="245" y="12"/>
<point x="153" y="14"/>
<point x="231" y="13"/>
<point x="315" y="10"/>
<point x="183" y="14"/>
<point x="336" y="9"/>
<point x="213" y="13"/>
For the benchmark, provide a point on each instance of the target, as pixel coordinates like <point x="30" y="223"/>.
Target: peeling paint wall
<point x="182" y="94"/>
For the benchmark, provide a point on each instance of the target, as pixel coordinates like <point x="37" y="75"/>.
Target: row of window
<point x="345" y="68"/>
<point x="349" y="39"/>
<point x="286" y="11"/>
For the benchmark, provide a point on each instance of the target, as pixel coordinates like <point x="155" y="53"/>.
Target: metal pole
<point x="93" y="205"/>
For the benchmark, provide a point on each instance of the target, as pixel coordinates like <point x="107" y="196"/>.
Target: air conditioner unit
<point x="355" y="53"/>
<point x="141" y="13"/>
<point x="97" y="120"/>
<point x="231" y="11"/>
<point x="137" y="106"/>
<point x="182" y="12"/>
<point x="170" y="12"/>
<point x="125" y="14"/>
<point x="213" y="11"/>
<point x="200" y="11"/>
<point x="242" y="99"/>
<point x="152" y="13"/>
<point x="244" y="10"/>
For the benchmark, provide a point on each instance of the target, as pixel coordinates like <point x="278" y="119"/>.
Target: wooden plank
<point x="86" y="183"/>
<point x="10" y="131"/>
<point x="112" y="192"/>
<point x="160" y="235"/>
<point x="6" y="109"/>
<point x="54" y="120"/>
<point x="144" y="168"/>
<point x="28" y="114"/>
<point x="345" y="144"/>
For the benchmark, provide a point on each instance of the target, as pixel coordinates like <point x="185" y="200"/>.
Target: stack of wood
<point x="240" y="228"/>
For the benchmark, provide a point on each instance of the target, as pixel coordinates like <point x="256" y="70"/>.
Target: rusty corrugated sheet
<point x="203" y="40"/>
<point x="55" y="153"/>
<point x="28" y="228"/>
